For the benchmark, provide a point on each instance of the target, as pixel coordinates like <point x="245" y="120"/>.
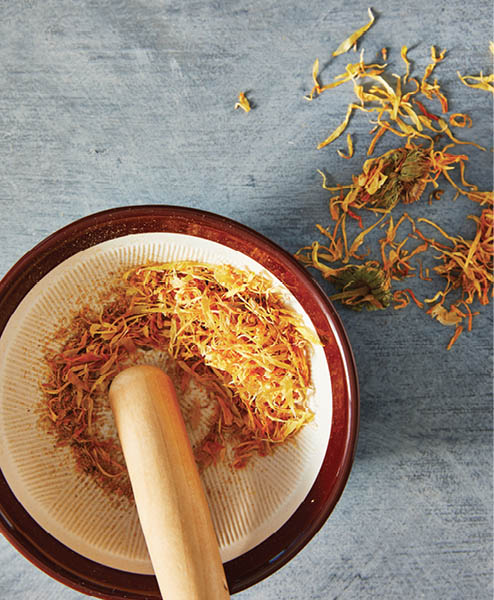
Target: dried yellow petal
<point x="349" y="142"/>
<point x="445" y="316"/>
<point x="243" y="102"/>
<point x="351" y="40"/>
<point x="460" y="120"/>
<point x="340" y="129"/>
<point x="480" y="82"/>
<point x="404" y="51"/>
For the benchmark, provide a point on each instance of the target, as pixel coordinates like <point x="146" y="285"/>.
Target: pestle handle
<point x="169" y="496"/>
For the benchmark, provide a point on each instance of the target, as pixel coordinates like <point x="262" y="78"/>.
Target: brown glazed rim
<point x="89" y="577"/>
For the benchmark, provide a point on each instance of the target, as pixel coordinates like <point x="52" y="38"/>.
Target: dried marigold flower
<point x="362" y="286"/>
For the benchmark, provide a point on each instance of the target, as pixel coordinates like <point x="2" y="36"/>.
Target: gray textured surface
<point x="107" y="104"/>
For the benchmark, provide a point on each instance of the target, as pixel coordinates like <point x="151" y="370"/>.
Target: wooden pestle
<point x="171" y="502"/>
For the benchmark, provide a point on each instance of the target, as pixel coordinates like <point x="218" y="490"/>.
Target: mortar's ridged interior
<point x="247" y="505"/>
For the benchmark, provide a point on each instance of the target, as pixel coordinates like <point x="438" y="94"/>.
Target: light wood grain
<point x="170" y="500"/>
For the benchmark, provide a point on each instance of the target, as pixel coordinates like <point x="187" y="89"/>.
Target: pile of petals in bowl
<point x="225" y="328"/>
